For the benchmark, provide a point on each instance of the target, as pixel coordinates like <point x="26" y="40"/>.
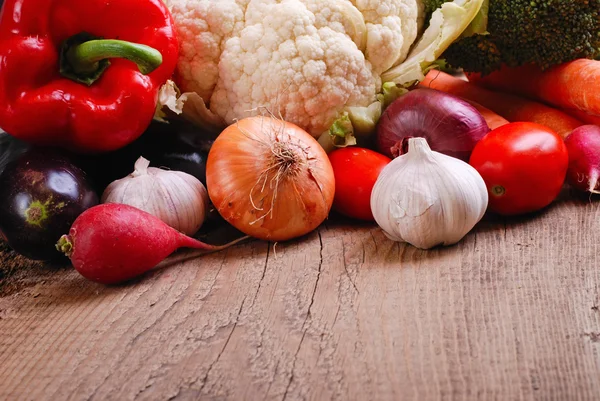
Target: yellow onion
<point x="270" y="179"/>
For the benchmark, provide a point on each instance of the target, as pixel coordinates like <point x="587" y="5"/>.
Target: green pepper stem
<point x="84" y="57"/>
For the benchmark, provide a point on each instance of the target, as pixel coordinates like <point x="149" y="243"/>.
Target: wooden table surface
<point x="511" y="313"/>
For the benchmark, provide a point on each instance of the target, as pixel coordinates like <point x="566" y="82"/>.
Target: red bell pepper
<point x="83" y="74"/>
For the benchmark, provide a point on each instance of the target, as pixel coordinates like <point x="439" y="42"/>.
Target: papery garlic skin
<point x="426" y="198"/>
<point x="177" y="198"/>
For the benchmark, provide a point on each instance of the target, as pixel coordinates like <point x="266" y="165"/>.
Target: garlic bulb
<point x="179" y="199"/>
<point x="427" y="199"/>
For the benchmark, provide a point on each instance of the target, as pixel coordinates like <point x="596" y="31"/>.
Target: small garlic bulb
<point x="427" y="199"/>
<point x="179" y="199"/>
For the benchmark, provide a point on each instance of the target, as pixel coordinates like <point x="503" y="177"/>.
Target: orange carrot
<point x="572" y="85"/>
<point x="492" y="119"/>
<point x="511" y="107"/>
<point x="583" y="116"/>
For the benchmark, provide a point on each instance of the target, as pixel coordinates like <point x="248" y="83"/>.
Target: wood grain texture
<point x="511" y="313"/>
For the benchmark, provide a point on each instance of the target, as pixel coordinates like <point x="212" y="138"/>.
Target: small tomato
<point x="524" y="166"/>
<point x="355" y="170"/>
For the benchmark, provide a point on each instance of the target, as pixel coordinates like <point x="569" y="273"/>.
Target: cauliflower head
<point x="308" y="61"/>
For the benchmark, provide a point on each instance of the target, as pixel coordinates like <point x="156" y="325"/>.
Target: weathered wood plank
<point x="511" y="313"/>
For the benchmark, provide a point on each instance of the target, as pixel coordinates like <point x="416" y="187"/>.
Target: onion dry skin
<point x="270" y="179"/>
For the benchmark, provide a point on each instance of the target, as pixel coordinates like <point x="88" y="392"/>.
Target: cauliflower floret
<point x="203" y="28"/>
<point x="300" y="69"/>
<point x="392" y="27"/>
<point x="306" y="60"/>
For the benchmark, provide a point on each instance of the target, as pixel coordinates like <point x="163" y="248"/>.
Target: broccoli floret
<point x="543" y="32"/>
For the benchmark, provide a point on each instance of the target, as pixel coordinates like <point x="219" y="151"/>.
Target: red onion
<point x="451" y="125"/>
<point x="583" y="145"/>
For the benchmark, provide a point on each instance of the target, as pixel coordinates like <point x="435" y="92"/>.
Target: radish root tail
<point x="595" y="183"/>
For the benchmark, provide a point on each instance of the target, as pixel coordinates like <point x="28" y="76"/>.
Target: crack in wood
<point x="374" y="240"/>
<point x="264" y="272"/>
<point x="337" y="312"/>
<point x="294" y="361"/>
<point x="532" y="304"/>
<point x="213" y="363"/>
<point x="312" y="298"/>
<point x="593" y="336"/>
<point x="139" y="335"/>
<point x="178" y="325"/>
<point x="271" y="381"/>
<point x="105" y="380"/>
<point x="596" y="301"/>
<point x="363" y="254"/>
<point x="346" y="268"/>
<point x="308" y="314"/>
<point x="175" y="395"/>
<point x="165" y="313"/>
<point x="121" y="298"/>
<point x="212" y="285"/>
<point x="156" y="373"/>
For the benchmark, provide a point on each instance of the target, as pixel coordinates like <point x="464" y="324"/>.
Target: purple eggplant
<point x="41" y="193"/>
<point x="175" y="146"/>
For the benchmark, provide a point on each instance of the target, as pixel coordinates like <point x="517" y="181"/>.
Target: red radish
<point x="583" y="145"/>
<point x="111" y="243"/>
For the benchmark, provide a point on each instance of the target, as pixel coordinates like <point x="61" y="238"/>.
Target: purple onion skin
<point x="451" y="125"/>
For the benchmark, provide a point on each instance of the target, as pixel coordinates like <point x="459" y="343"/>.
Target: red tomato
<point x="524" y="166"/>
<point x="355" y="170"/>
